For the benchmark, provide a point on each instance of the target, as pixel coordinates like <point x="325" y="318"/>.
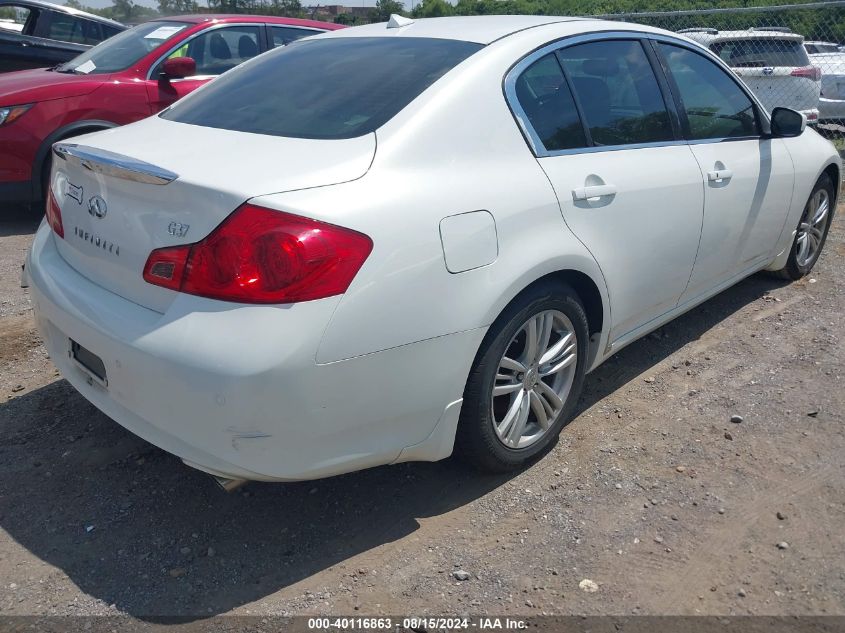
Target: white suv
<point x="772" y="62"/>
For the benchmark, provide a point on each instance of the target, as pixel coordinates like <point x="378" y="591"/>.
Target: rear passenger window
<point x="284" y="35"/>
<point x="714" y="104"/>
<point x="618" y="92"/>
<point x="66" y="28"/>
<point x="547" y="102"/>
<point x="109" y="31"/>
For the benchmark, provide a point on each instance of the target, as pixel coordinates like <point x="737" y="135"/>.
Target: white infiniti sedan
<point x="384" y="243"/>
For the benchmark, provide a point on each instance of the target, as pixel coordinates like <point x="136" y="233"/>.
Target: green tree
<point x="124" y="10"/>
<point x="385" y="8"/>
<point x="177" y="7"/>
<point x="433" y="9"/>
<point x="287" y="8"/>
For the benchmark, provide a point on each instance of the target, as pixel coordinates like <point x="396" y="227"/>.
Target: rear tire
<point x="536" y="385"/>
<point x="812" y="231"/>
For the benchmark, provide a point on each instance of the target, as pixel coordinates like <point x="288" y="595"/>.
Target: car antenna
<point x="397" y="21"/>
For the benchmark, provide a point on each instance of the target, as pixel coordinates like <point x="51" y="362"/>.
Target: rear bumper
<point x="831" y="109"/>
<point x="236" y="391"/>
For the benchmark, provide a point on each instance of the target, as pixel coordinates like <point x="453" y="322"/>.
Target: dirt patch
<point x="652" y="493"/>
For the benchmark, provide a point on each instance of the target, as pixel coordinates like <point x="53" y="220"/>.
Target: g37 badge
<point x="177" y="229"/>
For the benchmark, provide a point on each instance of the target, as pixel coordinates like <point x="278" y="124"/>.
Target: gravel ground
<point x="652" y="502"/>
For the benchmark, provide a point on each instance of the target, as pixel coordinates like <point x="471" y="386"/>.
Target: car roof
<point x="233" y="17"/>
<point x="58" y="8"/>
<point x="482" y="29"/>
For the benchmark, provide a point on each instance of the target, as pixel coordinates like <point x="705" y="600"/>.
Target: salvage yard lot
<point x="652" y="493"/>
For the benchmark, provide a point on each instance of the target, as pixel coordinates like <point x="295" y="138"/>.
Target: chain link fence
<point x="789" y="55"/>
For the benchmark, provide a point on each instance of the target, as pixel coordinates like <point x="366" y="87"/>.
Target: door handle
<point x="593" y="191"/>
<point x="719" y="174"/>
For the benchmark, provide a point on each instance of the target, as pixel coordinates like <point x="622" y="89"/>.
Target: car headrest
<point x="219" y="47"/>
<point x="247" y="47"/>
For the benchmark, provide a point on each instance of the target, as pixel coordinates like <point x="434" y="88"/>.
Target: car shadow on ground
<point x="133" y="527"/>
<point x="18" y="220"/>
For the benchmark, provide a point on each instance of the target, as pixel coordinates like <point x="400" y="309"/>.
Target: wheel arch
<point x="591" y="290"/>
<point x="833" y="170"/>
<point x="585" y="288"/>
<point x="71" y="129"/>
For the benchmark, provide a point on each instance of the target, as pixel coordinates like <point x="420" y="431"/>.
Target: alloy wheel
<point x="533" y="379"/>
<point x="811" y="230"/>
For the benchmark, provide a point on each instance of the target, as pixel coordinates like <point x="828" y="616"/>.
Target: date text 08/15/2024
<point x="417" y="623"/>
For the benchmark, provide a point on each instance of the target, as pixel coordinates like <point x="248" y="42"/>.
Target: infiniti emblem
<point x="97" y="207"/>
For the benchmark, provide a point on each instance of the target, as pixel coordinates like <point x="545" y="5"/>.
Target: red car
<point x="126" y="78"/>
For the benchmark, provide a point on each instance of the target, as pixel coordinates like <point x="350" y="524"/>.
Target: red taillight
<point x="54" y="215"/>
<point x="810" y="72"/>
<point x="258" y="255"/>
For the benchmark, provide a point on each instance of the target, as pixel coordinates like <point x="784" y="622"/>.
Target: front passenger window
<point x="217" y="50"/>
<point x="715" y="106"/>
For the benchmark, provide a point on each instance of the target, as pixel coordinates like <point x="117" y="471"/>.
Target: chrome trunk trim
<point x="111" y="164"/>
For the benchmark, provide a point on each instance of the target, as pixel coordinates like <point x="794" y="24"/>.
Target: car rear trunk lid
<point x="174" y="186"/>
<point x="778" y="86"/>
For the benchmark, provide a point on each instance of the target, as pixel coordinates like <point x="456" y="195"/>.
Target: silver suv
<point x="772" y="61"/>
<point x="831" y="61"/>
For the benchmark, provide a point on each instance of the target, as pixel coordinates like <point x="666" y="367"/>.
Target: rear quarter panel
<point x="454" y="150"/>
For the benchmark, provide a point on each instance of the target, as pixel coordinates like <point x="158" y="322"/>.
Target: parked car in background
<point x="816" y="48"/>
<point x="34" y="33"/>
<point x="129" y="77"/>
<point x="831" y="61"/>
<point x="772" y="62"/>
<point x="321" y="263"/>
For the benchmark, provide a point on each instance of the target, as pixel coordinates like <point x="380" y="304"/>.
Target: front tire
<point x="525" y="380"/>
<point x="812" y="231"/>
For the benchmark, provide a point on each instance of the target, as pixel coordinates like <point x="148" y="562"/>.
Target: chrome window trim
<point x="111" y="164"/>
<point x="190" y="38"/>
<point x="176" y="80"/>
<point x="533" y="140"/>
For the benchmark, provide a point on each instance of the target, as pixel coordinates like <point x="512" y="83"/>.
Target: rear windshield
<point x="754" y="53"/>
<point x="331" y="88"/>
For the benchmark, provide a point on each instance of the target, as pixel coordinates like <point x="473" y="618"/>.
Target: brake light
<point x="810" y="72"/>
<point x="259" y="255"/>
<point x="54" y="215"/>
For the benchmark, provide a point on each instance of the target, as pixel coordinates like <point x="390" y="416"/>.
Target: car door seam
<point x="700" y="228"/>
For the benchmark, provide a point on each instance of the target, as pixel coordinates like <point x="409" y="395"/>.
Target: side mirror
<point x="178" y="68"/>
<point x="787" y="123"/>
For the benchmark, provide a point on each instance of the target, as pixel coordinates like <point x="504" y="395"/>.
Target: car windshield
<point x="330" y="88"/>
<point x="761" y="53"/>
<point x="124" y="49"/>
